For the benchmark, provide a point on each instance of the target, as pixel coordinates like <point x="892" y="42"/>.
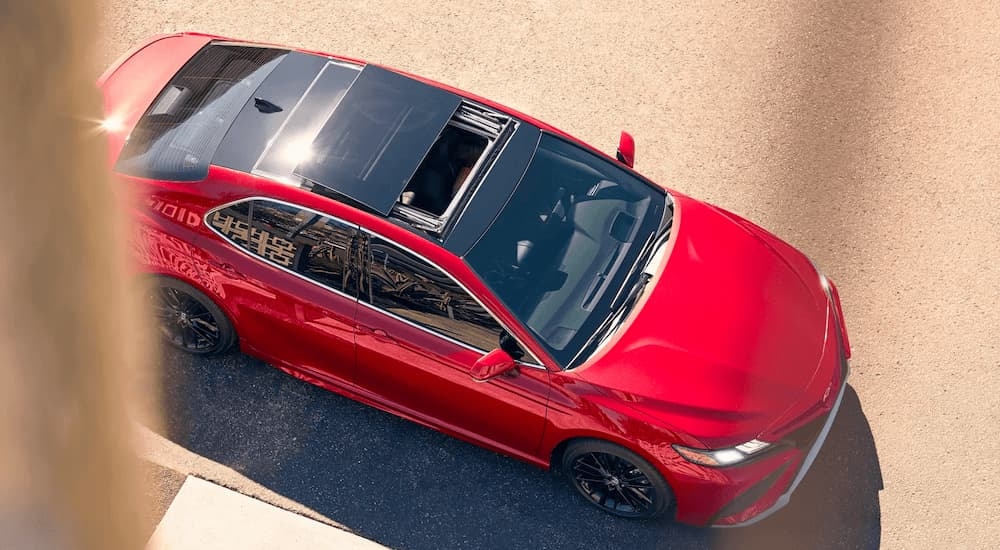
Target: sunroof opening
<point x="377" y="136"/>
<point x="444" y="170"/>
<point x="451" y="171"/>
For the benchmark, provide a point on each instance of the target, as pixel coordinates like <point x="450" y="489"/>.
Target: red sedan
<point x="465" y="266"/>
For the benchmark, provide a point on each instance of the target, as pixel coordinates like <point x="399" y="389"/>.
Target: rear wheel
<point x="189" y="320"/>
<point x="616" y="480"/>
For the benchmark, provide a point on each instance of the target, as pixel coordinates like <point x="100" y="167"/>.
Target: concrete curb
<point x="206" y="515"/>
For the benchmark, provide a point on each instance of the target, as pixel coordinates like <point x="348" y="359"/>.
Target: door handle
<point x="378" y="333"/>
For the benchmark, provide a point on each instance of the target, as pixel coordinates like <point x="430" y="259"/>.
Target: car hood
<point x="730" y="337"/>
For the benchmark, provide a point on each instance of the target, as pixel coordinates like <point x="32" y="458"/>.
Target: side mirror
<point x="491" y="365"/>
<point x="626" y="150"/>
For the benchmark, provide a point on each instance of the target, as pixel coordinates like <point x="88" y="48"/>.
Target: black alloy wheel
<point x="616" y="480"/>
<point x="189" y="320"/>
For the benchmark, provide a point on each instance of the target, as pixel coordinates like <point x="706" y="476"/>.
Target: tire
<point x="187" y="319"/>
<point x="616" y="480"/>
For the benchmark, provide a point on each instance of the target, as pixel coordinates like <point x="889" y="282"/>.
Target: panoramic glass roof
<point x="377" y="136"/>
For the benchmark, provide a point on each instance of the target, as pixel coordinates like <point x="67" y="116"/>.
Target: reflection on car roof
<point x="377" y="136"/>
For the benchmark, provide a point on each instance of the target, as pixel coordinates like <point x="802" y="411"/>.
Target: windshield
<point x="566" y="243"/>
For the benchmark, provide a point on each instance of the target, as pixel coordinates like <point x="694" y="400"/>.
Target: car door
<point x="419" y="334"/>
<point x="285" y="274"/>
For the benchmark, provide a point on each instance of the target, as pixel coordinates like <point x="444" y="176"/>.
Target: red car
<point x="470" y="268"/>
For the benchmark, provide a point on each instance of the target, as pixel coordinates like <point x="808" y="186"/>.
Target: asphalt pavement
<point x="406" y="486"/>
<point x="865" y="133"/>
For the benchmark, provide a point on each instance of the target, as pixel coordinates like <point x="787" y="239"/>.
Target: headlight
<point x="722" y="457"/>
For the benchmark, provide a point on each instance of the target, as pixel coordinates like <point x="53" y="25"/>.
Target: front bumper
<point x="765" y="498"/>
<point x="758" y="509"/>
<point x="748" y="493"/>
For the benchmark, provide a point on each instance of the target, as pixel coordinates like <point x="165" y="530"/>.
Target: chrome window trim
<point x="205" y="219"/>
<point x="429" y="330"/>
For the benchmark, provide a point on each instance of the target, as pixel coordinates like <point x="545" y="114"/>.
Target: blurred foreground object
<point x="65" y="471"/>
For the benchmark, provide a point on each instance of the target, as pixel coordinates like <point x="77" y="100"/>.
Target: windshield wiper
<point x="618" y="315"/>
<point x="627" y="301"/>
<point x="632" y="298"/>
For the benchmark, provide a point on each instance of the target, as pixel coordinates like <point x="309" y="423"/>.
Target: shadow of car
<point x="407" y="486"/>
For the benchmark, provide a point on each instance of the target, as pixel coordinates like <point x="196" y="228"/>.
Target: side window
<point x="232" y="222"/>
<point x="270" y="233"/>
<point x="303" y="241"/>
<point x="409" y="287"/>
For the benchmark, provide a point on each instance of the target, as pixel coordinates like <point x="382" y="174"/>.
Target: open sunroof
<point x="377" y="137"/>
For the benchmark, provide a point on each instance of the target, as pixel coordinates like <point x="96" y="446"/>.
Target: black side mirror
<point x="510" y="345"/>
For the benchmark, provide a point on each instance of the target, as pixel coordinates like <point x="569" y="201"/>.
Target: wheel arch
<point x="650" y="441"/>
<point x="147" y="277"/>
<point x="194" y="282"/>
<point x="559" y="450"/>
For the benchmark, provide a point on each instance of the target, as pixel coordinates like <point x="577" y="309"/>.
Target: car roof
<point x="377" y="136"/>
<point x="366" y="131"/>
<point x="368" y="165"/>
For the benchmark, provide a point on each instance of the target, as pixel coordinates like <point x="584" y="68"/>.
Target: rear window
<point x="178" y="135"/>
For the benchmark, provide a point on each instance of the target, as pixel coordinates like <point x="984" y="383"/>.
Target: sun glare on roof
<point x="298" y="150"/>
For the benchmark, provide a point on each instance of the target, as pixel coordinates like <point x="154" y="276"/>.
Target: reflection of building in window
<point x="271" y="247"/>
<point x="414" y="290"/>
<point x="262" y="243"/>
<point x="233" y="228"/>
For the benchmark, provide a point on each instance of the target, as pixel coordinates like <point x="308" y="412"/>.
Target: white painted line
<point x="205" y="515"/>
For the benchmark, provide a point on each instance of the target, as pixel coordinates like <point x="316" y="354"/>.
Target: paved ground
<point x="866" y="133"/>
<point x="247" y="426"/>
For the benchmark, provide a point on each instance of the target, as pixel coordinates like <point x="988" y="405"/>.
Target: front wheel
<point x="616" y="480"/>
<point x="189" y="320"/>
